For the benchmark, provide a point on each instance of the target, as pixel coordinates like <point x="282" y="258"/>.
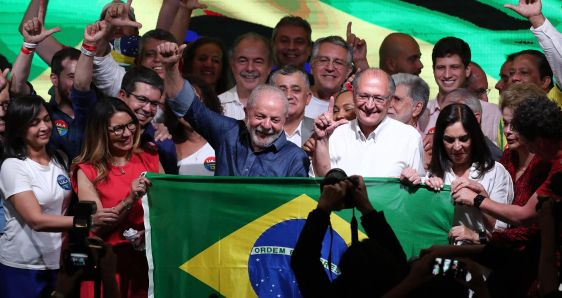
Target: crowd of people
<point x="125" y="104"/>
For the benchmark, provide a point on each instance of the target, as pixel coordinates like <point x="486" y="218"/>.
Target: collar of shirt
<point x="373" y="135"/>
<point x="296" y="132"/>
<point x="231" y="97"/>
<point x="434" y="107"/>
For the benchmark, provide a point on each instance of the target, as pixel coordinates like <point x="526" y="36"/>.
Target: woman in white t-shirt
<point x="195" y="155"/>
<point x="37" y="191"/>
<point x="461" y="156"/>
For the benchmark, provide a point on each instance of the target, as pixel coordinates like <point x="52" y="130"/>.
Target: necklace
<point x="119" y="167"/>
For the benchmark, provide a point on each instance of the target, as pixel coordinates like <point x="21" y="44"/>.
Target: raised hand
<point x="34" y="31"/>
<point x="170" y="53"/>
<point x="192" y="4"/>
<point x="325" y="125"/>
<point x="359" y="48"/>
<point x="95" y="32"/>
<point x="526" y="8"/>
<point x="117" y="14"/>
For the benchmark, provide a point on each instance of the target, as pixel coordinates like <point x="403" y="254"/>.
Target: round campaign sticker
<point x="64" y="182"/>
<point x="269" y="264"/>
<point x="210" y="163"/>
<point x="62" y="127"/>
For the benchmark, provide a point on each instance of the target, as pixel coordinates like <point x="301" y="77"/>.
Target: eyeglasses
<point x="144" y="101"/>
<point x="361" y="98"/>
<point x="325" y="61"/>
<point x="118" y="130"/>
<point x="4" y="106"/>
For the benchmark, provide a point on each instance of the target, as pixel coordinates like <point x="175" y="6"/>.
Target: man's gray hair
<point x="463" y="95"/>
<point x="419" y="90"/>
<point x="288" y="70"/>
<point x="336" y="40"/>
<point x="256" y="93"/>
<point x="377" y="72"/>
<point x="254" y="36"/>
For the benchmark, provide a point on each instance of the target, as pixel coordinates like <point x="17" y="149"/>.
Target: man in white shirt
<point x="251" y="63"/>
<point x="331" y="65"/>
<point x="373" y="144"/>
<point x="294" y="83"/>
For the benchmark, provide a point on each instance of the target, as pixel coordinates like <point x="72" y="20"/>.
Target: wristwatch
<point x="478" y="200"/>
<point x="482" y="237"/>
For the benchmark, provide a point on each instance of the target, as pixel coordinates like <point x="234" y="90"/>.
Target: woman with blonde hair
<point x="109" y="171"/>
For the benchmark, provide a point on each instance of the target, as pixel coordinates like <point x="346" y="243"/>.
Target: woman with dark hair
<point x="195" y="155"/>
<point x="109" y="171"/>
<point x="37" y="191"/>
<point x="460" y="156"/>
<point x="206" y="58"/>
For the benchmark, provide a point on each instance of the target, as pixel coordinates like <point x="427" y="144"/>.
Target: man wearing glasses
<point x="373" y="144"/>
<point x="331" y="65"/>
<point x="141" y="90"/>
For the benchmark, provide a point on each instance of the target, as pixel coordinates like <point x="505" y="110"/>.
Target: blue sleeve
<point x="183" y="101"/>
<point x="212" y="126"/>
<point x="300" y="165"/>
<point x="82" y="103"/>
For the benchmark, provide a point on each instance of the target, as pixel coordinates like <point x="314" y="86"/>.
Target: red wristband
<point x="27" y="51"/>
<point x="90" y="48"/>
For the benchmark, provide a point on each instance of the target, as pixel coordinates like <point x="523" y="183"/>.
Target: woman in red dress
<point x="109" y="171"/>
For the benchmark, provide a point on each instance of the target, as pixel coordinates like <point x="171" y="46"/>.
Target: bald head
<point x="477" y="81"/>
<point x="400" y="53"/>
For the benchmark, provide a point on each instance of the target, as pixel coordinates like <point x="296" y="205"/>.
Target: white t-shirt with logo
<point x="21" y="246"/>
<point x="200" y="163"/>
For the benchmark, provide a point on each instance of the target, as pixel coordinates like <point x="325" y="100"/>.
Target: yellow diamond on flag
<point x="224" y="265"/>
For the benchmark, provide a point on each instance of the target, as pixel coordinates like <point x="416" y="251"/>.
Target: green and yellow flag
<point x="233" y="237"/>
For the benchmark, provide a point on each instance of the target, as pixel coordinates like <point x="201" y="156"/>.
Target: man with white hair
<point x="373" y="144"/>
<point x="256" y="146"/>
<point x="409" y="100"/>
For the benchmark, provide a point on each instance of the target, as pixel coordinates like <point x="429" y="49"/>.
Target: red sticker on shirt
<point x="62" y="127"/>
<point x="210" y="163"/>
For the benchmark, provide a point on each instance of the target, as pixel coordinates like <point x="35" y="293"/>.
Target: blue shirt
<point x="232" y="143"/>
<point x="68" y="132"/>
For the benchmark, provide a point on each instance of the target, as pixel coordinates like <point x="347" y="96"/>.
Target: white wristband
<point x="28" y="45"/>
<point x="87" y="53"/>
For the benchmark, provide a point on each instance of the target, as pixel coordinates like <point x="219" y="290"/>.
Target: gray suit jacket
<point x="307" y="129"/>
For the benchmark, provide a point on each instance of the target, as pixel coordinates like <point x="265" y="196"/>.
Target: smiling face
<point x="298" y="95"/>
<point x="525" y="69"/>
<point x="39" y="130"/>
<point x="265" y="119"/>
<point x="457" y="143"/>
<point x="151" y="58"/>
<point x="250" y="64"/>
<point x="344" y="108"/>
<point x="121" y="137"/>
<point x="207" y="63"/>
<point x="371" y="100"/>
<point x="143" y="100"/>
<point x="450" y="73"/>
<point x="291" y="46"/>
<point x="330" y="68"/>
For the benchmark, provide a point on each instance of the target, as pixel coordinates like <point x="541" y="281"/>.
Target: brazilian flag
<point x="233" y="236"/>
